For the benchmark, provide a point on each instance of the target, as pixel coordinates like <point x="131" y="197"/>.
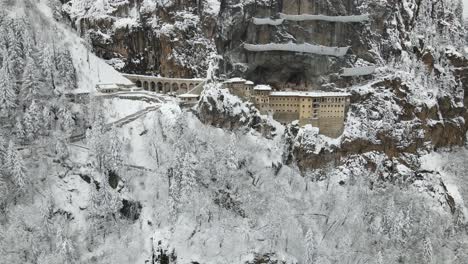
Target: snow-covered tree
<point x="105" y="205"/>
<point x="18" y="171"/>
<point x="428" y="250"/>
<point x="7" y="88"/>
<point x="67" y="122"/>
<point x="32" y="85"/>
<point x="61" y="150"/>
<point x="311" y="247"/>
<point x="19" y="130"/>
<point x="9" y="156"/>
<point x="66" y="76"/>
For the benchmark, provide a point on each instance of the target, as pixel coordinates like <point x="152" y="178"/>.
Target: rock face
<point x="221" y="109"/>
<point x="279" y="68"/>
<point x="170" y="38"/>
<point x="399" y="111"/>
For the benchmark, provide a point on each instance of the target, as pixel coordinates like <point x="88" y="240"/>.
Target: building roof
<point x="262" y="87"/>
<point x="310" y="94"/>
<point x="239" y="80"/>
<point x="235" y="80"/>
<point x="108" y="86"/>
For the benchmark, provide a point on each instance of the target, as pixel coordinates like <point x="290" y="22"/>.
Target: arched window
<point x="175" y="88"/>
<point x="183" y="88"/>
<point x="160" y="87"/>
<point x="167" y="87"/>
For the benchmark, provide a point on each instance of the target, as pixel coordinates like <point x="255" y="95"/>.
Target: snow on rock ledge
<point x="293" y="47"/>
<point x="342" y="19"/>
<point x="267" y="21"/>
<point x="219" y="108"/>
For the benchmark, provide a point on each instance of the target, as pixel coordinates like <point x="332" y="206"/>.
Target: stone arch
<point x="191" y="86"/>
<point x="138" y="83"/>
<point x="183" y="88"/>
<point x="153" y="87"/>
<point x="175" y="87"/>
<point x="160" y="87"/>
<point x="167" y="87"/>
<point x="145" y="85"/>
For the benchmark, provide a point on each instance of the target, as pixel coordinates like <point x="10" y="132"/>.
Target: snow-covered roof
<point x="78" y="91"/>
<point x="358" y="71"/>
<point x="108" y="86"/>
<point x="293" y="47"/>
<point x="239" y="80"/>
<point x="189" y="96"/>
<point x="310" y="94"/>
<point x="262" y="87"/>
<point x="235" y="80"/>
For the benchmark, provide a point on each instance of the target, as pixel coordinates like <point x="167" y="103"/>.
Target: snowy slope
<point x="90" y="69"/>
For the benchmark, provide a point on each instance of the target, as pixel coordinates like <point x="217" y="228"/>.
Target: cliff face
<point x="278" y="68"/>
<point x="170" y="38"/>
<point x="415" y="99"/>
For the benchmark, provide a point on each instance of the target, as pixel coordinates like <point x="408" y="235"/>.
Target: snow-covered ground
<point x="452" y="167"/>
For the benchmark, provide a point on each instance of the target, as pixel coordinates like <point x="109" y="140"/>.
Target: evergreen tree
<point x="15" y="48"/>
<point x="29" y="127"/>
<point x="9" y="156"/>
<point x="3" y="149"/>
<point x="32" y="119"/>
<point x="47" y="119"/>
<point x="7" y="88"/>
<point x="428" y="251"/>
<point x="18" y="171"/>
<point x="19" y="129"/>
<point x="104" y="208"/>
<point x="61" y="150"/>
<point x="46" y="57"/>
<point x="31" y="86"/>
<point x="67" y="122"/>
<point x="311" y="247"/>
<point x="66" y="75"/>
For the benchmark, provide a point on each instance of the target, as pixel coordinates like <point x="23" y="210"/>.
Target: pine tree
<point x="311" y="247"/>
<point x="3" y="150"/>
<point x="65" y="70"/>
<point x="31" y="82"/>
<point x="19" y="129"/>
<point x="32" y="119"/>
<point x="187" y="177"/>
<point x="115" y="150"/>
<point x="14" y="41"/>
<point x="104" y="208"/>
<point x="67" y="121"/>
<point x="9" y="156"/>
<point x="61" y="150"/>
<point x="46" y="57"/>
<point x="18" y="171"/>
<point x="428" y="251"/>
<point x="459" y="7"/>
<point x="7" y="88"/>
<point x="47" y="119"/>
<point x="29" y="127"/>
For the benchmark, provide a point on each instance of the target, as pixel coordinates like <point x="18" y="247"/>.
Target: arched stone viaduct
<point x="162" y="84"/>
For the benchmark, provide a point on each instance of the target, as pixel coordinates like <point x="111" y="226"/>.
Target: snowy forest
<point x="88" y="177"/>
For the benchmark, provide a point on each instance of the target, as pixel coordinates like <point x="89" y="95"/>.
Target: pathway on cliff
<point x="119" y="123"/>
